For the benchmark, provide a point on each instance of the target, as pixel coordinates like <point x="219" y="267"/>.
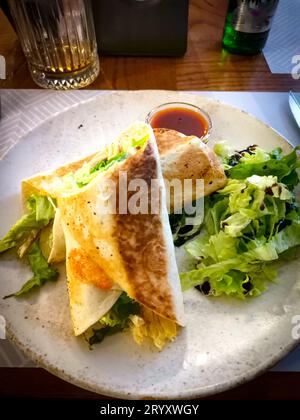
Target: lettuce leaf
<point x="282" y="168"/>
<point x="86" y="174"/>
<point x="235" y="277"/>
<point x="214" y="273"/>
<point x="252" y="154"/>
<point x="216" y="210"/>
<point x="235" y="223"/>
<point x="40" y="212"/>
<point x="181" y="231"/>
<point x="119" y="313"/>
<point x="287" y="238"/>
<point x="218" y="269"/>
<point x="42" y="272"/>
<point x="251" y="222"/>
<point x="218" y="247"/>
<point x="117" y="319"/>
<point x="257" y="155"/>
<point x="223" y="151"/>
<point x="135" y="137"/>
<point x="99" y="334"/>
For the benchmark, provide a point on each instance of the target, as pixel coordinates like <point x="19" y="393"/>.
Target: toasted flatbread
<point x="46" y="183"/>
<point x="91" y="292"/>
<point x="187" y="157"/>
<point x="135" y="250"/>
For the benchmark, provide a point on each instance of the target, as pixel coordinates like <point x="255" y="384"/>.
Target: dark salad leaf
<point x="183" y="231"/>
<point x="116" y="319"/>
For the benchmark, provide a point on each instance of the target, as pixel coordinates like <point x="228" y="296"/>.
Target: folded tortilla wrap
<point x="187" y="157"/>
<point x="89" y="300"/>
<point x="135" y="251"/>
<point x="182" y="157"/>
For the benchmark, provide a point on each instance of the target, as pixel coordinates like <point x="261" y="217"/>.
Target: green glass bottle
<point x="247" y="25"/>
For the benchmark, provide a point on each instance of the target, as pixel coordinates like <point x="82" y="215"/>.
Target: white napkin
<point x="23" y="110"/>
<point x="283" y="45"/>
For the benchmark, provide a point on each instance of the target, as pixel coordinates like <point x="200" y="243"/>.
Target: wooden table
<point x="204" y="67"/>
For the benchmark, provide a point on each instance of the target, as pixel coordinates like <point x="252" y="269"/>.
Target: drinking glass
<point x="58" y="40"/>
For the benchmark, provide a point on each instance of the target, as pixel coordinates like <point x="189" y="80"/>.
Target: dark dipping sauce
<point x="184" y="120"/>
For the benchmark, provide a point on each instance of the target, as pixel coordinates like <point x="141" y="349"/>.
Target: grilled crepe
<point x="91" y="292"/>
<point x="128" y="252"/>
<point x="135" y="251"/>
<point x="49" y="183"/>
<point x="182" y="157"/>
<point x="187" y="157"/>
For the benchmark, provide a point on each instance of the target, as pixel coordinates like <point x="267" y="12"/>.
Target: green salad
<point x="25" y="237"/>
<point x="249" y="224"/>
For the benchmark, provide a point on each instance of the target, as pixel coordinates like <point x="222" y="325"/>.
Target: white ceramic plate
<point x="226" y="342"/>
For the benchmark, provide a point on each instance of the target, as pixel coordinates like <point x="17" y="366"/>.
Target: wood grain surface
<point x="205" y="66"/>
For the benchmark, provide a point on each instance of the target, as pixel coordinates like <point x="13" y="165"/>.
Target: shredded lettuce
<point x="41" y="211"/>
<point x="134" y="138"/>
<point x="86" y="174"/>
<point x="151" y="326"/>
<point x="42" y="272"/>
<point x="251" y="222"/>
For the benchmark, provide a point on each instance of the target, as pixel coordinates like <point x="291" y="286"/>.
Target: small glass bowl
<point x="177" y="105"/>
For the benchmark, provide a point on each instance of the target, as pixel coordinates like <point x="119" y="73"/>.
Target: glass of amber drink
<point x="58" y="40"/>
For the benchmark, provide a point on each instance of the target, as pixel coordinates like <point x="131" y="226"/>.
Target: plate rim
<point x="190" y="394"/>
